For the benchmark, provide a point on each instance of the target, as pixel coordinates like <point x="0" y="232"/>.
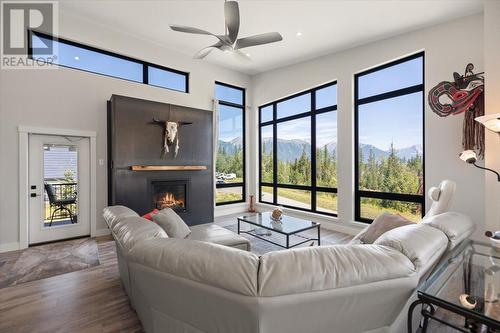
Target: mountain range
<point x="289" y="150"/>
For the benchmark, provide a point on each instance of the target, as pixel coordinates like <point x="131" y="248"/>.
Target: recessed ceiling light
<point x="248" y="54"/>
<point x="298" y="34"/>
<point x="77" y="58"/>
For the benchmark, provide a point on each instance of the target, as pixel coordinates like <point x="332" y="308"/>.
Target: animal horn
<point x="182" y="123"/>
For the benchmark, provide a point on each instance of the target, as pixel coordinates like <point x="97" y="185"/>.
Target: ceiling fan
<point x="229" y="42"/>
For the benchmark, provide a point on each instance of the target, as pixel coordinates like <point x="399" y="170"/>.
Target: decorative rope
<point x="473" y="132"/>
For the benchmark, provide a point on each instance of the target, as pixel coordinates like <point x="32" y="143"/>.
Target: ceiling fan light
<point x="229" y="42"/>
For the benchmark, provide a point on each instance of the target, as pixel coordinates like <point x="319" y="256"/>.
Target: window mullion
<point x="275" y="156"/>
<point x="145" y="74"/>
<point x="373" y="189"/>
<point x="313" y="151"/>
<point x="311" y="117"/>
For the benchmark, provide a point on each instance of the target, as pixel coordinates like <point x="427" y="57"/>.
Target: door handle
<point x="34" y="195"/>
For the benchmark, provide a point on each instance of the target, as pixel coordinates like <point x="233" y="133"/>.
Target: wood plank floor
<point x="90" y="300"/>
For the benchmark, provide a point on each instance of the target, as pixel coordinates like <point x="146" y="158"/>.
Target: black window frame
<point x="243" y="110"/>
<point x="312" y="113"/>
<point x="358" y="194"/>
<point x="145" y="64"/>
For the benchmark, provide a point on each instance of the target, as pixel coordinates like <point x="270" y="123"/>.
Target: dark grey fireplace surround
<point x="133" y="140"/>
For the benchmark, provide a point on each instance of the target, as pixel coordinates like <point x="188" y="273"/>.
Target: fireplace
<point x="142" y="178"/>
<point x="170" y="194"/>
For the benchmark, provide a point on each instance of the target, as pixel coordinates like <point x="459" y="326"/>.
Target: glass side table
<point x="467" y="285"/>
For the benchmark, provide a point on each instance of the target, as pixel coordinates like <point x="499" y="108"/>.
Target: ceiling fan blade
<point x="196" y="31"/>
<point x="232" y="15"/>
<point x="241" y="56"/>
<point x="190" y="30"/>
<point x="206" y="50"/>
<point x="270" y="37"/>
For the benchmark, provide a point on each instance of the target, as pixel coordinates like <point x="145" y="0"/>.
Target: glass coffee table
<point x="288" y="226"/>
<point x="465" y="288"/>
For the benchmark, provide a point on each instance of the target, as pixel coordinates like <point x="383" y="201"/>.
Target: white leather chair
<point x="441" y="197"/>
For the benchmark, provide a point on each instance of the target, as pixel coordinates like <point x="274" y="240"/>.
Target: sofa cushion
<point x="172" y="223"/>
<point x="329" y="267"/>
<point x="113" y="214"/>
<point x="131" y="230"/>
<point x="383" y="223"/>
<point x="216" y="265"/>
<point x="422" y="244"/>
<point x="456" y="226"/>
<point x="213" y="233"/>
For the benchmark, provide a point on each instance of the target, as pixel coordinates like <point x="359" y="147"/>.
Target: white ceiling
<point x="326" y="26"/>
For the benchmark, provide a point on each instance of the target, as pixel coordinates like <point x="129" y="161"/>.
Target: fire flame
<point x="168" y="200"/>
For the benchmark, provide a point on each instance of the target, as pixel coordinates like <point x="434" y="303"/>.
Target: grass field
<point x="370" y="210"/>
<point x="228" y="194"/>
<point x="325" y="201"/>
<point x="328" y="202"/>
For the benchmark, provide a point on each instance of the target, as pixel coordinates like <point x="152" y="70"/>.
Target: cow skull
<point x="170" y="134"/>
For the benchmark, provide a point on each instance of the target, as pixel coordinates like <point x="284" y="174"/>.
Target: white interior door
<point x="59" y="181"/>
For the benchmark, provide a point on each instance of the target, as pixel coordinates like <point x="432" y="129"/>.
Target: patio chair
<point x="59" y="204"/>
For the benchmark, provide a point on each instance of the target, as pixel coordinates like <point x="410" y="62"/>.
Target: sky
<point x="396" y="77"/>
<point x="230" y="123"/>
<point x="230" y="118"/>
<point x="92" y="61"/>
<point x="398" y="120"/>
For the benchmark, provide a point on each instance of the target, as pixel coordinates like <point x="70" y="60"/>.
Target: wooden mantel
<point x="168" y="167"/>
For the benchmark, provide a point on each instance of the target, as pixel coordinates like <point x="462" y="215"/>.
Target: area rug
<point x="43" y="261"/>
<point x="260" y="247"/>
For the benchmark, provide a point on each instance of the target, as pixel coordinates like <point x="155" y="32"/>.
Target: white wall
<point x="492" y="68"/>
<point x="72" y="99"/>
<point x="443" y="55"/>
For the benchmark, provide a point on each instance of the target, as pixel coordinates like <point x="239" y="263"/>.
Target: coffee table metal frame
<point x="294" y="233"/>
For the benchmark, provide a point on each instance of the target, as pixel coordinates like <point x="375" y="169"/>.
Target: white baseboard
<point x="327" y="222"/>
<point x="102" y="232"/>
<point x="231" y="209"/>
<point x="6" y="247"/>
<point x="342" y="227"/>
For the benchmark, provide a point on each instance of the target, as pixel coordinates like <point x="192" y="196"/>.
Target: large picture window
<point x="230" y="165"/>
<point x="298" y="151"/>
<point x="90" y="59"/>
<point x="389" y="135"/>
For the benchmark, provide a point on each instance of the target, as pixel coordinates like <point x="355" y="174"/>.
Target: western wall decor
<point x="464" y="95"/>
<point x="170" y="134"/>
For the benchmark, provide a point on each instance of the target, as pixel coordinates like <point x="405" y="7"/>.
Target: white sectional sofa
<point x="191" y="286"/>
<point x="128" y="228"/>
